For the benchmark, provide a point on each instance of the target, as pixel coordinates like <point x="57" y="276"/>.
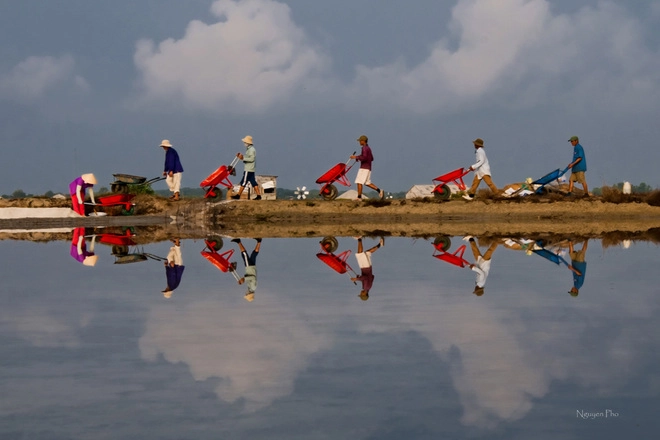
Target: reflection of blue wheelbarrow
<point x="551" y="256"/>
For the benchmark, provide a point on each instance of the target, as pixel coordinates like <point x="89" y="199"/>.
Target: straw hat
<point x="363" y="138"/>
<point x="89" y="178"/>
<point x="167" y="294"/>
<point x="247" y="139"/>
<point x="249" y="296"/>
<point x="90" y="260"/>
<point x="165" y="143"/>
<point x="479" y="142"/>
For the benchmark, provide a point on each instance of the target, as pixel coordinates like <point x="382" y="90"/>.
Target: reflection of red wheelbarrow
<point x="336" y="262"/>
<point x="441" y="253"/>
<point x="221" y="261"/>
<point x="335" y="174"/>
<point x="119" y="242"/>
<point x="219" y="177"/>
<point x="442" y="190"/>
<point x="123" y="200"/>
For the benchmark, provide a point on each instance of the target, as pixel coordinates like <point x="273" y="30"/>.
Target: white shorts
<point x="363" y="176"/>
<point x="363" y="259"/>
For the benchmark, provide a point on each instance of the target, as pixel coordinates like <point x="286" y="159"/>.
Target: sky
<point x="95" y="86"/>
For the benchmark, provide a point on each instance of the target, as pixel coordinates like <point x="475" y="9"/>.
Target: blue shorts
<point x="251" y="259"/>
<point x="248" y="177"/>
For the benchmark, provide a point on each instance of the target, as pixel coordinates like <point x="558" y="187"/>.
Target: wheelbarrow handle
<point x="155" y="179"/>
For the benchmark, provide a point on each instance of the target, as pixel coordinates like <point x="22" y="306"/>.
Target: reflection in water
<point x="481" y="265"/>
<point x="578" y="266"/>
<point x="497" y="364"/>
<point x="79" y="248"/>
<point x="250" y="263"/>
<point x="173" y="268"/>
<point x="363" y="258"/>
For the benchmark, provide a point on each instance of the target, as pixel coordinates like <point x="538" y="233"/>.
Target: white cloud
<point x="517" y="50"/>
<point x="253" y="57"/>
<point x="33" y="77"/>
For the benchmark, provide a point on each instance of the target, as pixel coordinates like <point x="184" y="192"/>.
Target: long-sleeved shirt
<point x="73" y="187"/>
<point x="250" y="159"/>
<point x="481" y="167"/>
<point x="172" y="162"/>
<point x="365" y="157"/>
<point x="481" y="267"/>
<point x="174" y="275"/>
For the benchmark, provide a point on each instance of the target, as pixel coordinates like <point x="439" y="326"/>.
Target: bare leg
<point x="359" y="186"/>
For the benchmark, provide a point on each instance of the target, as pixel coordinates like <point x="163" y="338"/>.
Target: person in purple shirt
<point x="366" y="270"/>
<point x="173" y="169"/>
<point x="77" y="190"/>
<point x="364" y="173"/>
<point x="173" y="268"/>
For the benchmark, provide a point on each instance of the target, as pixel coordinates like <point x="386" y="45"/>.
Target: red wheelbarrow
<point x="123" y="200"/>
<point x="219" y="177"/>
<point x="335" y="174"/>
<point x="221" y="261"/>
<point x="335" y="262"/>
<point x="442" y="190"/>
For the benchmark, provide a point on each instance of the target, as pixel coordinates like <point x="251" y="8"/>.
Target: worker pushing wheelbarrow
<point x="219" y="177"/>
<point x="335" y="174"/>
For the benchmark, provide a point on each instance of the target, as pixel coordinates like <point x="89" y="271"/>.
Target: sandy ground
<point x="195" y="218"/>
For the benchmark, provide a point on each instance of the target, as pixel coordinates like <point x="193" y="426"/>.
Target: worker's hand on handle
<point x="239" y="155"/>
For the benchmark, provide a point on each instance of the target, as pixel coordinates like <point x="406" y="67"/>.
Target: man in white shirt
<point x="481" y="265"/>
<point x="481" y="171"/>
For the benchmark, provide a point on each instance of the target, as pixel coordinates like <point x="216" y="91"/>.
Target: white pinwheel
<point x="301" y="193"/>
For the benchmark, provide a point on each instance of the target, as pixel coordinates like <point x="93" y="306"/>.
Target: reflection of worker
<point x="172" y="170"/>
<point x="366" y="271"/>
<point x="481" y="265"/>
<point x="79" y="249"/>
<point x="578" y="166"/>
<point x="77" y="190"/>
<point x="481" y="170"/>
<point x="249" y="167"/>
<point x="578" y="266"/>
<point x="364" y="173"/>
<point x="250" y="262"/>
<point x="173" y="268"/>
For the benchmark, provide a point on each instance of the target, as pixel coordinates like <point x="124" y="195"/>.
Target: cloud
<point x="517" y="51"/>
<point x="253" y="57"/>
<point x="36" y="75"/>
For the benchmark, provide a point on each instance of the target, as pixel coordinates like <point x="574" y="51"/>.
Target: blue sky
<point x="94" y="87"/>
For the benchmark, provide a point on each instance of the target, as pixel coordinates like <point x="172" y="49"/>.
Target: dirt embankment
<point x="196" y="218"/>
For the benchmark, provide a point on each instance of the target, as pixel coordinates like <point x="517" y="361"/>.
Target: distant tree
<point x="642" y="188"/>
<point x="18" y="194"/>
<point x="49" y="194"/>
<point x="103" y="190"/>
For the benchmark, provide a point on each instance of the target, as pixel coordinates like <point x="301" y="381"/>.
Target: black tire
<point x="329" y="244"/>
<point x="129" y="211"/>
<point x="444" y="193"/>
<point x="331" y="193"/>
<point x="443" y="243"/>
<point x="119" y="250"/>
<point x="218" y="193"/>
<point x="215" y="243"/>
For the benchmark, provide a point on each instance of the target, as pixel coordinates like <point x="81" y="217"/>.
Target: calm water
<point x="100" y="353"/>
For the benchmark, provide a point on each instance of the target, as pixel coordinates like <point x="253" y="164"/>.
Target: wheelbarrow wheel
<point x="119" y="188"/>
<point x="330" y="193"/>
<point x="443" y="193"/>
<point x="129" y="211"/>
<point x="329" y="244"/>
<point x="217" y="193"/>
<point x="119" y="250"/>
<point x="215" y="243"/>
<point x="443" y="243"/>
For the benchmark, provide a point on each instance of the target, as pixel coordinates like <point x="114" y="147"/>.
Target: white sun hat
<point x="165" y="143"/>
<point x="247" y="139"/>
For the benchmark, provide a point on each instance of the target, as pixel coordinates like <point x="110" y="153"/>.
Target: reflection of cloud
<point x="43" y="329"/>
<point x="252" y="57"/>
<point x="34" y="76"/>
<point x="256" y="355"/>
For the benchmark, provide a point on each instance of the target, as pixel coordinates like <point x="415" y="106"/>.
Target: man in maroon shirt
<point x="366" y="271"/>
<point x="364" y="174"/>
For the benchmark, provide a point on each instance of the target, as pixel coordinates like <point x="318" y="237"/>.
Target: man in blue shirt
<point x="578" y="166"/>
<point x="173" y="169"/>
<point x="578" y="266"/>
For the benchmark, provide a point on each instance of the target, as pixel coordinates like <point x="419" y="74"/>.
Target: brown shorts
<point x="578" y="176"/>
